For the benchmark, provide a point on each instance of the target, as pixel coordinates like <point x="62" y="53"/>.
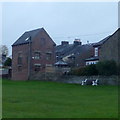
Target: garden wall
<point x="103" y="80"/>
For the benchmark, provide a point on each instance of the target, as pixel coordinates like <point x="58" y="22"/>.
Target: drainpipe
<point x="29" y="59"/>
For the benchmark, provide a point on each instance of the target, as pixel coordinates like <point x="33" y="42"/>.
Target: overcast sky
<point x="89" y="21"/>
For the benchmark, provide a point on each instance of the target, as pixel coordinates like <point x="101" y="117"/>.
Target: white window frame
<point x="96" y="51"/>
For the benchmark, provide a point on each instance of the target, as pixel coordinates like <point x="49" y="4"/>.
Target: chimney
<point x="64" y="43"/>
<point x="87" y="42"/>
<point x="77" y="42"/>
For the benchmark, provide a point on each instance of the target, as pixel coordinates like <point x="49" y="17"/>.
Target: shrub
<point x="78" y="71"/>
<point x="118" y="69"/>
<point x="8" y="62"/>
<point x="85" y="71"/>
<point x="91" y="70"/>
<point x="107" y="68"/>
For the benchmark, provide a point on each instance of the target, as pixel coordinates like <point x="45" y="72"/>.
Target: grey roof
<point x="92" y="58"/>
<point x="62" y="49"/>
<point x="102" y="41"/>
<point x="80" y="49"/>
<point x="71" y="49"/>
<point x="60" y="62"/>
<point x="25" y="38"/>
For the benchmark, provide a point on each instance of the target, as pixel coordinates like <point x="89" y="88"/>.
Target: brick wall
<point x="102" y="80"/>
<point x="109" y="50"/>
<point x="20" y="75"/>
<point x="80" y="59"/>
<point x="42" y="43"/>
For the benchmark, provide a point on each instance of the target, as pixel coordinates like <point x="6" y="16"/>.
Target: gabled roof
<point x="25" y="38"/>
<point x="105" y="39"/>
<point x="102" y="41"/>
<point x="28" y="36"/>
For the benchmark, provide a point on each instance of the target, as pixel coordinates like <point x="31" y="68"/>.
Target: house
<point x="32" y="53"/>
<point x="97" y="47"/>
<point x="106" y="49"/>
<point x="74" y="54"/>
<point x="110" y="50"/>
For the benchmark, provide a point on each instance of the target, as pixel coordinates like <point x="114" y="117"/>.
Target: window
<point x="48" y="55"/>
<point x="20" y="58"/>
<point x="27" y="39"/>
<point x="19" y="68"/>
<point x="37" y="55"/>
<point x="96" y="51"/>
<point x="37" y="67"/>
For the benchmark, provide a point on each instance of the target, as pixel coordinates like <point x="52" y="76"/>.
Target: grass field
<point x="35" y="99"/>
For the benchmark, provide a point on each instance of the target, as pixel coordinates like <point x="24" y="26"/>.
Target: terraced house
<point x="32" y="53"/>
<point x="106" y="49"/>
<point x="35" y="53"/>
<point x="97" y="53"/>
<point x="74" y="54"/>
<point x="79" y="55"/>
<point x="110" y="50"/>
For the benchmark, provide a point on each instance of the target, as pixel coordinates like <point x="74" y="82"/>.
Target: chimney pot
<point x="64" y="43"/>
<point x="77" y="42"/>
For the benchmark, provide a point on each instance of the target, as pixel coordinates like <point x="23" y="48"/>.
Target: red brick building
<point x="31" y="54"/>
<point x="74" y="54"/>
<point x="96" y="54"/>
<point x="106" y="49"/>
<point x="110" y="50"/>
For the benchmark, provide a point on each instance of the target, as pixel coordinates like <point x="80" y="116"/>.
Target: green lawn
<point x="35" y="99"/>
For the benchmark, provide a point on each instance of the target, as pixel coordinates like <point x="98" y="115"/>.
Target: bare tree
<point x="3" y="50"/>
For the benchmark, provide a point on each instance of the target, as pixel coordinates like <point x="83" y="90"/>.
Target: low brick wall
<point x="103" y="80"/>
